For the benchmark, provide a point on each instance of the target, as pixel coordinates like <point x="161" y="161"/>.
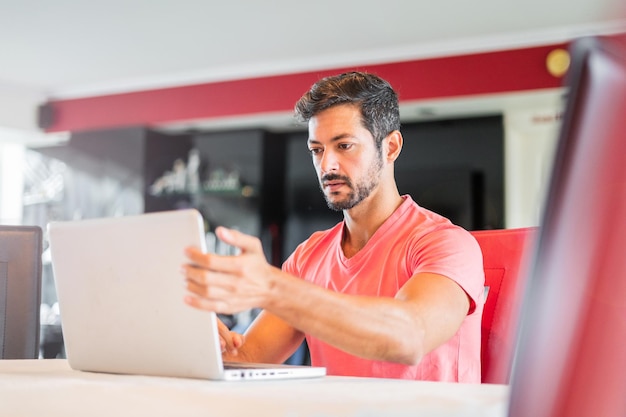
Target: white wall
<point x="18" y="107"/>
<point x="18" y="126"/>
<point x="13" y="144"/>
<point x="530" y="140"/>
<point x="11" y="182"/>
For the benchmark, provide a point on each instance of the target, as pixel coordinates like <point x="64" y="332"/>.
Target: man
<point x="394" y="290"/>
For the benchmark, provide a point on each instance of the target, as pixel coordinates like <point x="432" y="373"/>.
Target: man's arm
<point x="268" y="340"/>
<point x="426" y="312"/>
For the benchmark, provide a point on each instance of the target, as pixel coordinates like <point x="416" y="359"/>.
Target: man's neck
<point x="362" y="221"/>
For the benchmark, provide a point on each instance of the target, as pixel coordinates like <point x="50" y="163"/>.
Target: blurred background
<point x="118" y="108"/>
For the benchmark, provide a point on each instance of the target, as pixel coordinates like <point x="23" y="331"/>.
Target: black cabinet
<point x="234" y="178"/>
<point x="456" y="168"/>
<point x="100" y="173"/>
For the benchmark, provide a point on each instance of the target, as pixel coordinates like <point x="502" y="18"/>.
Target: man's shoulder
<point x="418" y="221"/>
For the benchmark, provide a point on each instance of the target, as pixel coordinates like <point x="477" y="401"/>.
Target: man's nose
<point x="329" y="162"/>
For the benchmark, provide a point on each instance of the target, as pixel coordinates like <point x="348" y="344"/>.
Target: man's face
<point x="345" y="157"/>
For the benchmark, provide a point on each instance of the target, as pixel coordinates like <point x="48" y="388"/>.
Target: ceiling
<point x="73" y="48"/>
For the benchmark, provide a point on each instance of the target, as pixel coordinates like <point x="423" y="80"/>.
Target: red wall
<point x="454" y="76"/>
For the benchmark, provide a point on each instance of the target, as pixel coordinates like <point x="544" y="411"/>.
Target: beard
<point x="359" y="191"/>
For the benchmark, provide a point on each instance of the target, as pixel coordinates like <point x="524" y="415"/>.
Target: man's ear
<point x="394" y="145"/>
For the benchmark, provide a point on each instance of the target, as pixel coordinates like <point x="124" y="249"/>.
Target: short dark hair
<point x="376" y="99"/>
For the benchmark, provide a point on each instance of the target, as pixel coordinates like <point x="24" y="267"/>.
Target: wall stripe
<point x="444" y="77"/>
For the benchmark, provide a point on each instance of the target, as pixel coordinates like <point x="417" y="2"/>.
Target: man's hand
<point x="228" y="284"/>
<point x="230" y="342"/>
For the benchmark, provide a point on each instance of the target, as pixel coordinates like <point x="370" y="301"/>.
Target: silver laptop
<point x="121" y="295"/>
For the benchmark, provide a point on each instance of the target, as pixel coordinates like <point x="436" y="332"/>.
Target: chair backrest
<point x="20" y="291"/>
<point x="504" y="253"/>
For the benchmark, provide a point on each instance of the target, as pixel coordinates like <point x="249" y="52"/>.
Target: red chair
<point x="504" y="253"/>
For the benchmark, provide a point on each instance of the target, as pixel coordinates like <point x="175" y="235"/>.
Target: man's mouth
<point x="333" y="183"/>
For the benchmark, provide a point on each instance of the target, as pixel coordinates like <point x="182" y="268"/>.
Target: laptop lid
<point x="121" y="298"/>
<point x="20" y="291"/>
<point x="571" y="357"/>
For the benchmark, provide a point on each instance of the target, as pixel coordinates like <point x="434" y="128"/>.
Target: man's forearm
<point x="370" y="327"/>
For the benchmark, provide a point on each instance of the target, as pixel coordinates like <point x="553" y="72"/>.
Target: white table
<point x="48" y="387"/>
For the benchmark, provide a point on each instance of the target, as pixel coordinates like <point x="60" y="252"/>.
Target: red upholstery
<point x="503" y="256"/>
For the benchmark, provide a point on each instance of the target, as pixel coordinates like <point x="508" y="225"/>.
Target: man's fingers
<point x="239" y="240"/>
<point x="226" y="264"/>
<point x="226" y="336"/>
<point x="196" y="256"/>
<point x="202" y="262"/>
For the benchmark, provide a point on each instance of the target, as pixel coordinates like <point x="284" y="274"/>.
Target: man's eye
<point x="345" y="146"/>
<point x="315" y="151"/>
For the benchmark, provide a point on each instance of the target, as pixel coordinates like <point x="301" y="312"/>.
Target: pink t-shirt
<point x="412" y="240"/>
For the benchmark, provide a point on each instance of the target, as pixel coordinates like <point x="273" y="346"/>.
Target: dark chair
<point x="503" y="261"/>
<point x="20" y="291"/>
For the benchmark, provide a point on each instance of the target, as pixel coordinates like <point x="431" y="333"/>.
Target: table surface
<point x="48" y="387"/>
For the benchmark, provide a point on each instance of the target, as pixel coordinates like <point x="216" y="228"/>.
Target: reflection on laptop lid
<point x="121" y="299"/>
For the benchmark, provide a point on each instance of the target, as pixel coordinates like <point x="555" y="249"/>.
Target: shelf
<point x="242" y="192"/>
